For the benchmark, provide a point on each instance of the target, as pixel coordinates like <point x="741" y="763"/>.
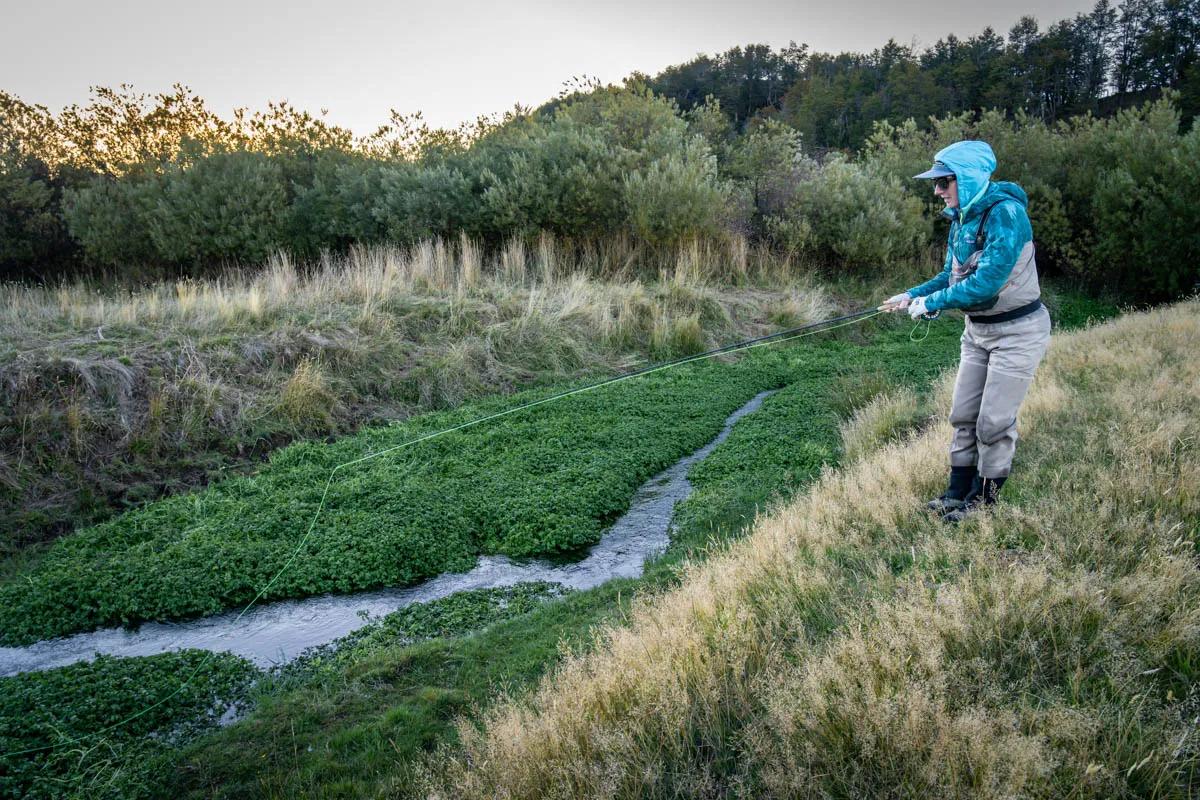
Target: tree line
<point x="1092" y="63"/>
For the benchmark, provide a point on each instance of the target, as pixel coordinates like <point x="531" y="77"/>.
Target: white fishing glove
<point x="916" y="309"/>
<point x="897" y="302"/>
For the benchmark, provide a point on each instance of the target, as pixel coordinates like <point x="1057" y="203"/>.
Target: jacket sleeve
<point x="1007" y="232"/>
<point x="939" y="281"/>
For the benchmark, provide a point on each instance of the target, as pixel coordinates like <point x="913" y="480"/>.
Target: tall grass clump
<point x="854" y="646"/>
<point x="306" y="398"/>
<point x="885" y="418"/>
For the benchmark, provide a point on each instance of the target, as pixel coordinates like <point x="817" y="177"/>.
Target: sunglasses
<point x="943" y="183"/>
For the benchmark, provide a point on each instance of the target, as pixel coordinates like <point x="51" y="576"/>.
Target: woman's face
<point x="947" y="189"/>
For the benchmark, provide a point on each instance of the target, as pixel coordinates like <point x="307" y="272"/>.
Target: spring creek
<point x="275" y="633"/>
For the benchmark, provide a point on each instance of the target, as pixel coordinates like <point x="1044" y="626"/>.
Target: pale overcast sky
<point x="451" y="60"/>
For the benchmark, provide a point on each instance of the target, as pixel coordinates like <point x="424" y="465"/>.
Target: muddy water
<point x="278" y="632"/>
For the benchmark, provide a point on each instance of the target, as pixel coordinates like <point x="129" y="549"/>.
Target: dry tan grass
<point x="369" y="277"/>
<point x="853" y="646"/>
<point x="306" y="398"/>
<point x="883" y="419"/>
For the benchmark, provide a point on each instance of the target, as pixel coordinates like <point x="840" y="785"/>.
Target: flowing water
<point x="275" y="633"/>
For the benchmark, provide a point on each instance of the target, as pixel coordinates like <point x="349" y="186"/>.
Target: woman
<point x="990" y="274"/>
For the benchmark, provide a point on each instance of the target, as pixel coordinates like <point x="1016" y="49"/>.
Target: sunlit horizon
<point x="361" y="60"/>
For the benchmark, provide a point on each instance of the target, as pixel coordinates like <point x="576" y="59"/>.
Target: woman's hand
<point x="897" y="302"/>
<point x="917" y="310"/>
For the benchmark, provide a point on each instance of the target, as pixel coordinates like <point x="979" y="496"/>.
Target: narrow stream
<point x="278" y="632"/>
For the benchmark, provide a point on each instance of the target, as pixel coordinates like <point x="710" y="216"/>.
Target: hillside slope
<point x="854" y="646"/>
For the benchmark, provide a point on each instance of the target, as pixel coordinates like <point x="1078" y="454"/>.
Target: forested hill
<point x="1096" y="62"/>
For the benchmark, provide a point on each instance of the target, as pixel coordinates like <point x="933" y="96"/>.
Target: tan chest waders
<point x="1000" y="351"/>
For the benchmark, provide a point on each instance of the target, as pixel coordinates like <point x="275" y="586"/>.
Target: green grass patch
<point x="542" y="481"/>
<point x="344" y="732"/>
<point x="785" y="444"/>
<point x="456" y="615"/>
<point x="62" y="714"/>
<point x="1074" y="310"/>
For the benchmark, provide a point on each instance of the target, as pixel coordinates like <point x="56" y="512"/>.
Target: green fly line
<point x="912" y="335"/>
<point x="810" y="329"/>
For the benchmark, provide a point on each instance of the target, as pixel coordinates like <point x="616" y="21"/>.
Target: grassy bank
<point x="363" y="728"/>
<point x="115" y="399"/>
<point x="853" y="646"/>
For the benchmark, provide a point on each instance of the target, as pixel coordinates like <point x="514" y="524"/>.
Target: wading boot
<point x="984" y="493"/>
<point x="962" y="480"/>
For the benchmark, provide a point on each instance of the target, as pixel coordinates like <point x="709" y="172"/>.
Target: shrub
<point x="1147" y="219"/>
<point x="851" y="213"/>
<point x="31" y="227"/>
<point x="1108" y="198"/>
<point x="631" y="119"/>
<point x="108" y="219"/>
<point x="767" y="164"/>
<point x="677" y="197"/>
<point x="561" y="177"/>
<point x="423" y="202"/>
<point x="333" y="208"/>
<point x="225" y="206"/>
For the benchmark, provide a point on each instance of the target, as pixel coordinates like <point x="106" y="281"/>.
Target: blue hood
<point x="973" y="163"/>
<point x="1008" y="230"/>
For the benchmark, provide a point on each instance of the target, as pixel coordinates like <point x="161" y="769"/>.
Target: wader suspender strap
<point x="980" y="240"/>
<point x="981" y="234"/>
<point x="1007" y="316"/>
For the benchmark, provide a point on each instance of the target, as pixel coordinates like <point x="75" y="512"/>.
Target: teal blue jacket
<point x="1007" y="232"/>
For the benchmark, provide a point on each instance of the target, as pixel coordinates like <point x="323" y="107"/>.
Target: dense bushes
<point x="608" y="163"/>
<point x="1109" y="198"/>
<point x="108" y="219"/>
<point x="1147" y="215"/>
<point x="676" y="197"/>
<point x="846" y="212"/>
<point x="224" y="206"/>
<point x="564" y="178"/>
<point x="612" y="162"/>
<point x="32" y="230"/>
